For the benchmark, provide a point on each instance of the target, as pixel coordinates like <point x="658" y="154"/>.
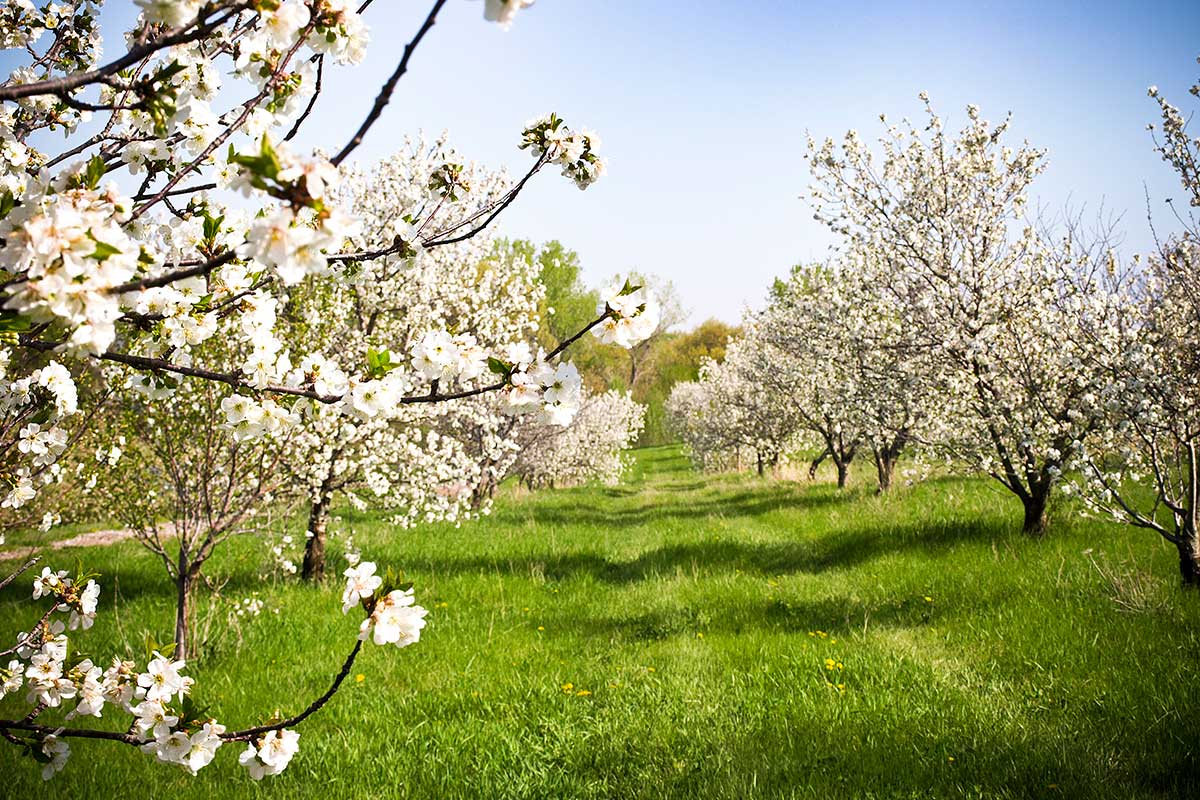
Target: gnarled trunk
<point x="1189" y="554"/>
<point x="816" y="463"/>
<point x="885" y="465"/>
<point x="314" y="547"/>
<point x="483" y="492"/>
<point x="1035" y="510"/>
<point x="843" y="470"/>
<point x="886" y="458"/>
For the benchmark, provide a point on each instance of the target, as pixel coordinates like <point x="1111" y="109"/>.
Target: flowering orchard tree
<point x="180" y="483"/>
<point x="799" y="349"/>
<point x="687" y="408"/>
<point x="940" y="223"/>
<point x="92" y="274"/>
<point x="157" y="703"/>
<point x="1143" y="466"/>
<point x="834" y="347"/>
<point x="728" y="415"/>
<point x="411" y="460"/>
<point x="122" y="249"/>
<point x="590" y="448"/>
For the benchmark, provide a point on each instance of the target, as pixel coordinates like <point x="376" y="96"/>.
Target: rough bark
<point x="886" y="458"/>
<point x="885" y="466"/>
<point x="1035" y="510"/>
<point x="314" y="547"/>
<point x="843" y="470"/>
<point x="816" y="463"/>
<point x="1189" y="555"/>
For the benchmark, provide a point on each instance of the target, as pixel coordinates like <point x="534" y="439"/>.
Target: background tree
<point x="675" y="358"/>
<point x="1143" y="465"/>
<point x="942" y="219"/>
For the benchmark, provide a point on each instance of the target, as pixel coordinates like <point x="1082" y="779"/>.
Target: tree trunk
<point x="1189" y="555"/>
<point x="885" y="465"/>
<point x="484" y="491"/>
<point x="843" y="469"/>
<point x="816" y="463"/>
<point x="760" y="463"/>
<point x="1035" y="510"/>
<point x="314" y="547"/>
<point x="183" y="610"/>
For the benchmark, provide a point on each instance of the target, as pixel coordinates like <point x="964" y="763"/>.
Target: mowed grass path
<point x="674" y="637"/>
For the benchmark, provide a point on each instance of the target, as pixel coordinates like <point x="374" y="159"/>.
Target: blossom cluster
<point x="630" y="314"/>
<point x="591" y="447"/>
<point x="548" y="138"/>
<point x="35" y="405"/>
<point x="503" y="11"/>
<point x="391" y="618"/>
<point x="164" y="723"/>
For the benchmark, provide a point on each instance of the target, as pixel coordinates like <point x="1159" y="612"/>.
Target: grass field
<point x="688" y="636"/>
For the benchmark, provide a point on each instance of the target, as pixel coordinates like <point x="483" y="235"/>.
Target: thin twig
<point x="385" y="94"/>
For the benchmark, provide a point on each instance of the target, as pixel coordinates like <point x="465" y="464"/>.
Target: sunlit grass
<point x="692" y="636"/>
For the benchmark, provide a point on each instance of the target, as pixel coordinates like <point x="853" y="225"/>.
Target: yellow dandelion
<point x="651" y="669"/>
<point x="928" y="599"/>
<point x="540" y="628"/>
<point x="583" y="693"/>
<point x="566" y="687"/>
<point x="359" y="678"/>
<point x="699" y="634"/>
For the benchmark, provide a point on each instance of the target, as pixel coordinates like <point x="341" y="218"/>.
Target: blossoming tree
<point x="1143" y="465"/>
<point x="836" y="349"/>
<point x="410" y="460"/>
<point x="591" y="447"/>
<point x="729" y="415"/>
<point x="123" y="249"/>
<point x="941" y="219"/>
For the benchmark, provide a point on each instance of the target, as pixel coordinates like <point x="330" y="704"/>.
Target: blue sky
<point x="703" y="107"/>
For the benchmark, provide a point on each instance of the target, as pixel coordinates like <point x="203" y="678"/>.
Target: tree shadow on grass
<point x="749" y="503"/>
<point x="716" y="556"/>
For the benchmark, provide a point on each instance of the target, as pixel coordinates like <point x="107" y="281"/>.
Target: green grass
<point x="692" y="608"/>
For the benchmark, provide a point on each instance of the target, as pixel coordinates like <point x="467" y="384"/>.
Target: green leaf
<point x="94" y="172"/>
<point x="379" y="362"/>
<point x="12" y="321"/>
<point x="499" y="367"/>
<point x="104" y="250"/>
<point x="212" y="226"/>
<point x="42" y="416"/>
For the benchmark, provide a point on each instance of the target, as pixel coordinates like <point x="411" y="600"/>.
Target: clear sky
<point x="703" y="107"/>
